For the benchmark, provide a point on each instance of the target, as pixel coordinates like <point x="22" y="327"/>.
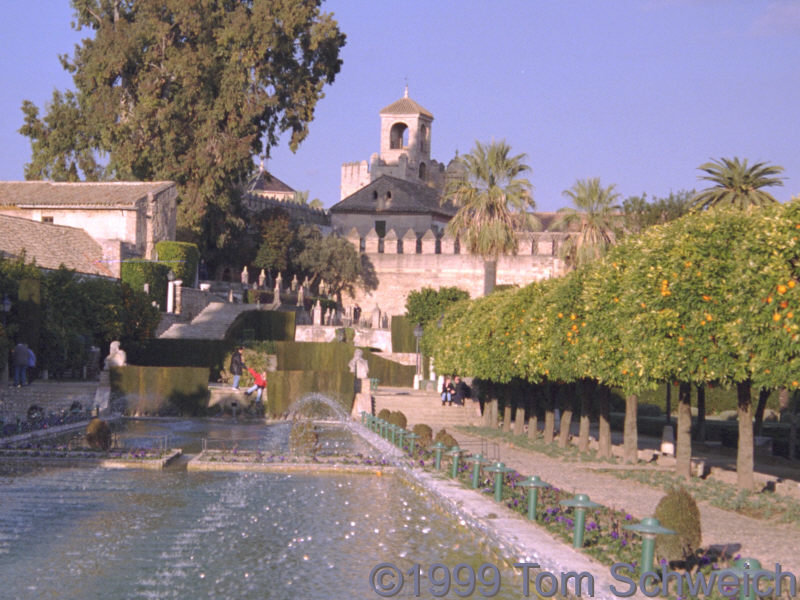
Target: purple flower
<point x="624" y="543"/>
<point x="614" y="535"/>
<point x="628" y="517"/>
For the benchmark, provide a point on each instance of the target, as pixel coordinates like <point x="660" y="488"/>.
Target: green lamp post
<point x="580" y="503"/>
<point x="499" y="469"/>
<point x="438" y="447"/>
<point x="401" y="433"/>
<point x="477" y="461"/>
<point x="533" y="484"/>
<point x="746" y="570"/>
<point x="455" y="453"/>
<point x="411" y="437"/>
<point x="649" y="528"/>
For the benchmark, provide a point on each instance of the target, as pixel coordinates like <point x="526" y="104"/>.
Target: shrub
<point x="303" y="438"/>
<point x="398" y="418"/>
<point x="181" y="257"/>
<point x="444" y="437"/>
<point x="98" y="434"/>
<point x="137" y="272"/>
<point x="678" y="511"/>
<point x="425" y="434"/>
<point x="384" y="414"/>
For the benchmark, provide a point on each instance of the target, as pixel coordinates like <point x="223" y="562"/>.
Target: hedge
<point x="182" y="258"/>
<point x="403" y="335"/>
<point x="313" y="356"/>
<point x="285" y="387"/>
<point x="176" y="352"/>
<point x="29" y="313"/>
<point x="389" y="372"/>
<point x="161" y="390"/>
<point x="264" y="325"/>
<point x="136" y="272"/>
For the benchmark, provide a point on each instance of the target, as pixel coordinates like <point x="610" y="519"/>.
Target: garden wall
<point x="160" y="390"/>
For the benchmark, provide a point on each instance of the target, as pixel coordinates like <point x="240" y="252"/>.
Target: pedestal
<point x="668" y="441"/>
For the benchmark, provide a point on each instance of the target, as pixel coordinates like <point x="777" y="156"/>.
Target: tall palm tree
<point x="596" y="216"/>
<point x="737" y="184"/>
<point x="492" y="201"/>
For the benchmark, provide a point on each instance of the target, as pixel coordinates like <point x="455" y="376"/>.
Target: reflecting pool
<point x="96" y="533"/>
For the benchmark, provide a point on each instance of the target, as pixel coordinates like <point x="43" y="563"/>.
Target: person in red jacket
<point x="260" y="382"/>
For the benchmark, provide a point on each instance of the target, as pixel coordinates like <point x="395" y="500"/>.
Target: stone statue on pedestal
<point x="262" y="279"/>
<point x="116" y="356"/>
<point x="245" y="276"/>
<point x="317" y="314"/>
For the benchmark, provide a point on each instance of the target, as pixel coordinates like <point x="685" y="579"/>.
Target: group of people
<point x="237" y="367"/>
<point x="23" y="359"/>
<point x="454" y="390"/>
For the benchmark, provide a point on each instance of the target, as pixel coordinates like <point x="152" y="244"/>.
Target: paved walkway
<point x="769" y="542"/>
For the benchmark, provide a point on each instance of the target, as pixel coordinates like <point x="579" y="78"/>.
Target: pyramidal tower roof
<point x="405" y="106"/>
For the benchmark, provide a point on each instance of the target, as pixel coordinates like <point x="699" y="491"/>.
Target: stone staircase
<point x="426" y="407"/>
<point x="211" y="324"/>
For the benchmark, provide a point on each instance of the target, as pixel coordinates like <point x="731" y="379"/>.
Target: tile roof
<point x="106" y="194"/>
<point x="264" y="181"/>
<point x="52" y="245"/>
<point x="406" y="197"/>
<point x="405" y="106"/>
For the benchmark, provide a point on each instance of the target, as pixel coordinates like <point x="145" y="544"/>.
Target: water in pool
<point x="70" y="533"/>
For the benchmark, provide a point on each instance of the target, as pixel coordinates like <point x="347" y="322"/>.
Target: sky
<point x="636" y="92"/>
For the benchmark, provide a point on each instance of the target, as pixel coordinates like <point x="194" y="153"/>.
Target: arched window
<point x="422" y="171"/>
<point x="424" y="140"/>
<point x="398" y="137"/>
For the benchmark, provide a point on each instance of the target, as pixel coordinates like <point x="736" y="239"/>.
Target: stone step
<point x="211" y="324"/>
<point x="426" y="407"/>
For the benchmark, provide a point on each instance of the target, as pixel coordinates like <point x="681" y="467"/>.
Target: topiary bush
<point x="98" y="434"/>
<point x="182" y="257"/>
<point x="444" y="437"/>
<point x="398" y="418"/>
<point x="678" y="511"/>
<point x="384" y="414"/>
<point x="425" y="434"/>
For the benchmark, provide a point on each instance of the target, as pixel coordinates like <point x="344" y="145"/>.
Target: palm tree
<point x="736" y="184"/>
<point x="492" y="202"/>
<point x="596" y="216"/>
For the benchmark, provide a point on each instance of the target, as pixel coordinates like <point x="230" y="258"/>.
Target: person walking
<point x="20" y="365"/>
<point x="236" y="366"/>
<point x="31" y="365"/>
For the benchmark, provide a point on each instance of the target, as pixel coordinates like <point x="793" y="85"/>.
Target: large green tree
<point x="493" y="202"/>
<point x="736" y="184"/>
<point x="188" y="92"/>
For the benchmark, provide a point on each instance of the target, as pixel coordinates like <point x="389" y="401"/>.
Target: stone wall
<point x="364" y="336"/>
<point x="438" y="265"/>
<point x="52" y="396"/>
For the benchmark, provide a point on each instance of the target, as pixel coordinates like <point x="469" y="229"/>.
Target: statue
<point x="317" y="313"/>
<point x="301" y="296"/>
<point x="279" y="282"/>
<point x="262" y="279"/>
<point x="245" y="276"/>
<point x="359" y="365"/>
<point x="116" y="356"/>
<point x="294" y="283"/>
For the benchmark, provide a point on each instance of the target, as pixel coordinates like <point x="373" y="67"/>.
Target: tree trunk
<point x="519" y="421"/>
<point x="549" y="414"/>
<point x="604" y="435"/>
<point x="489" y="276"/>
<point x="668" y="410"/>
<point x="763" y="394"/>
<point x="495" y="408"/>
<point x="507" y="417"/>
<point x="683" y="448"/>
<point x="783" y="400"/>
<point x="701" y="413"/>
<point x="744" y="453"/>
<point x="533" y="426"/>
<point x="631" y="435"/>
<point x="583" y="433"/>
<point x="566" y="416"/>
<point x="487" y="412"/>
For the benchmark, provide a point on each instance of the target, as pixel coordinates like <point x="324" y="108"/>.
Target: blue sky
<point x="636" y="92"/>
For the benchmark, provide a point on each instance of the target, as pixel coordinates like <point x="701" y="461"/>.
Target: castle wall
<point x="343" y="223"/>
<point x="355" y="175"/>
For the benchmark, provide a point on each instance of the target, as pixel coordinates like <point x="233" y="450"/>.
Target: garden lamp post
<point x="746" y="570"/>
<point x="455" y="452"/>
<point x="499" y="469"/>
<point x="418" y="331"/>
<point x="170" y="291"/>
<point x="477" y="461"/>
<point x="581" y="504"/>
<point x="6" y="308"/>
<point x="533" y="484"/>
<point x="649" y="528"/>
<point x="437" y="448"/>
<point x="411" y="437"/>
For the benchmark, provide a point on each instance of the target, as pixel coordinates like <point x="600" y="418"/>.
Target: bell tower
<point x="406" y="130"/>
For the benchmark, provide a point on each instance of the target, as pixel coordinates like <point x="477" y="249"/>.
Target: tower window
<point x="47" y="219"/>
<point x="422" y="170"/>
<point x="398" y="137"/>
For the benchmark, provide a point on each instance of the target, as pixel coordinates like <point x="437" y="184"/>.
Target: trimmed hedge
<point x="161" y="390"/>
<point x="403" y="335"/>
<point x="284" y="387"/>
<point x="176" y="352"/>
<point x="136" y="272"/>
<point x="265" y="325"/>
<point x="181" y="257"/>
<point x="389" y="372"/>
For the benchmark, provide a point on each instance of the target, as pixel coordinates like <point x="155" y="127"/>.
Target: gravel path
<point x="769" y="542"/>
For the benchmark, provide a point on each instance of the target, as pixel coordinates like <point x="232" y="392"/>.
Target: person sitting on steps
<point x="447" y="392"/>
